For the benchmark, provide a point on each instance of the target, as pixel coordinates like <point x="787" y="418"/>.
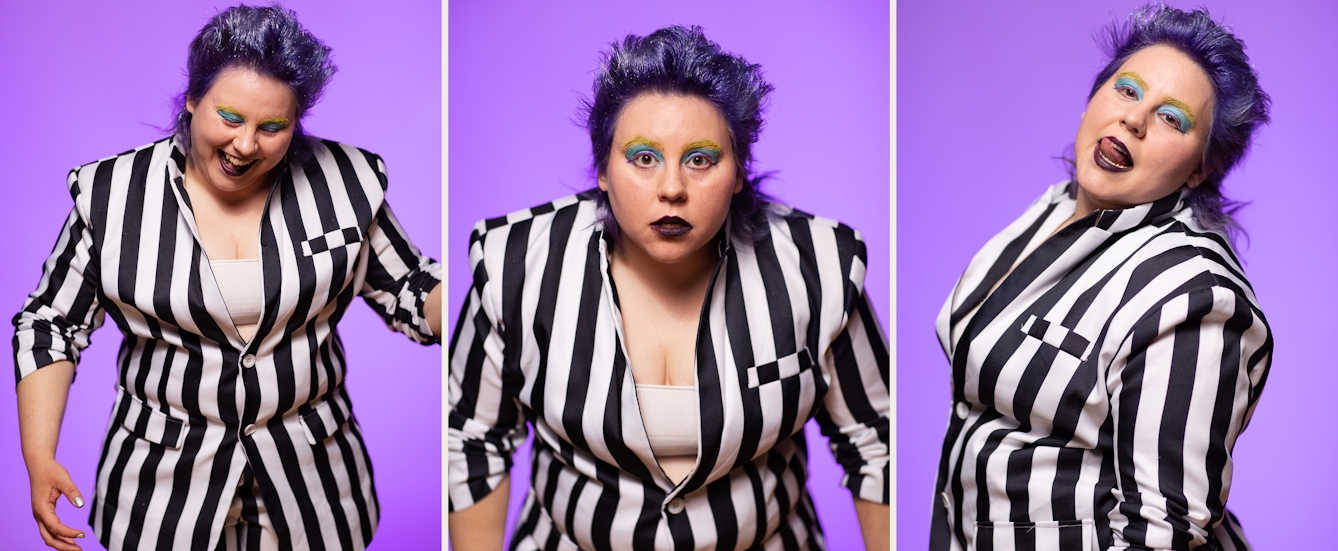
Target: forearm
<point x="41" y="398"/>
<point x="482" y="527"/>
<point x="432" y="310"/>
<point x="874" y="523"/>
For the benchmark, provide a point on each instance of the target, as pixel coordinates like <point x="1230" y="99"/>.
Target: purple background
<point x="517" y="72"/>
<point x="84" y="80"/>
<point x="990" y="92"/>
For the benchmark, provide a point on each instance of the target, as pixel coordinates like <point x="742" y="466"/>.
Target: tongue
<point x="1113" y="154"/>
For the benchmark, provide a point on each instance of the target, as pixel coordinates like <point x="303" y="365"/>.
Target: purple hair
<point x="682" y="61"/>
<point x="267" y="40"/>
<point x="1239" y="107"/>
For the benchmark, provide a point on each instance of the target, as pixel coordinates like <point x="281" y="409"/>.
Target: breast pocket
<point x="331" y="241"/>
<point x="1053" y="535"/>
<point x="1058" y="336"/>
<point x="783" y="368"/>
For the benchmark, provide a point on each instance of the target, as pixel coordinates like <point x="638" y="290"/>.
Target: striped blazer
<point x="196" y="404"/>
<point x="785" y="335"/>
<point x="1099" y="389"/>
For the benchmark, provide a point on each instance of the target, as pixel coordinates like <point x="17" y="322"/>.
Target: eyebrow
<point x="641" y="141"/>
<point x="1168" y="100"/>
<point x="1134" y="77"/>
<point x="229" y="110"/>
<point x="279" y="120"/>
<point x="700" y="144"/>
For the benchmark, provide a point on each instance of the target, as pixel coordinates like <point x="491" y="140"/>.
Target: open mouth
<point x="233" y="166"/>
<point x="671" y="226"/>
<point x="1112" y="156"/>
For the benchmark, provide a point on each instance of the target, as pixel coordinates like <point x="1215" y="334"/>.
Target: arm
<point x="1182" y="387"/>
<point x="854" y="418"/>
<point x="402" y="284"/>
<point x="41" y="399"/>
<point x="485" y="422"/>
<point x="874" y="522"/>
<point x="50" y="331"/>
<point x="483" y="526"/>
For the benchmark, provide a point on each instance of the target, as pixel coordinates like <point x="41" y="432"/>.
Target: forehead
<point x="244" y="88"/>
<point x="1168" y="72"/>
<point x="670" y="119"/>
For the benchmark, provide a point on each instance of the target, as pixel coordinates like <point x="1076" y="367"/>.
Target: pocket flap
<point x="148" y="423"/>
<point x="325" y="419"/>
<point x="1058" y="336"/>
<point x="331" y="240"/>
<point x="788" y="366"/>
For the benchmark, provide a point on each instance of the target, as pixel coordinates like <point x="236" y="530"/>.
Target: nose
<point x="672" y="186"/>
<point x="245" y="141"/>
<point x="1135" y="120"/>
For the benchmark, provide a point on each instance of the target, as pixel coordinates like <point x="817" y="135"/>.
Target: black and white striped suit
<point x="1099" y="389"/>
<point x="196" y="403"/>
<point x="785" y="334"/>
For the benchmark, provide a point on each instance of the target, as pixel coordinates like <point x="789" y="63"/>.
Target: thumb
<point x="67" y="487"/>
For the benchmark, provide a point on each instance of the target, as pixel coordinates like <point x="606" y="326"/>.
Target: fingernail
<point x="80" y="536"/>
<point x="79" y="502"/>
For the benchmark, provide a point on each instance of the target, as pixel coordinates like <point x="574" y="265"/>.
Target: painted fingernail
<point x="79" y="502"/>
<point x="80" y="536"/>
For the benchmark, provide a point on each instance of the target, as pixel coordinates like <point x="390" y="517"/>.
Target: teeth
<point x="1103" y="157"/>
<point x="234" y="161"/>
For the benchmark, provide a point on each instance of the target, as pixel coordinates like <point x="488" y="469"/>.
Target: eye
<point x="273" y="128"/>
<point x="643" y="159"/>
<point x="229" y="117"/>
<point x="1128" y="88"/>
<point x="699" y="160"/>
<point x="1175" y="117"/>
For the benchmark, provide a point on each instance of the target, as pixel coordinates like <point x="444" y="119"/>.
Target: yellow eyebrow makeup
<point x="702" y="144"/>
<point x="1168" y="100"/>
<point x="1134" y="77"/>
<point x="640" y="141"/>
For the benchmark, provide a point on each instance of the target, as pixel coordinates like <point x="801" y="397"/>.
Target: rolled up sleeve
<point x="1181" y="391"/>
<point x="856" y="409"/>
<point x="399" y="278"/>
<point x="63" y="311"/>
<point x="486" y="425"/>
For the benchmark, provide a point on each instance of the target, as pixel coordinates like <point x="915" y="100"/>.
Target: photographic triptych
<point x="945" y="275"/>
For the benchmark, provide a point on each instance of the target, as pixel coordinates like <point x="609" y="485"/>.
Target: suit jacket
<point x="785" y="335"/>
<point x="1099" y="389"/>
<point x="196" y="403"/>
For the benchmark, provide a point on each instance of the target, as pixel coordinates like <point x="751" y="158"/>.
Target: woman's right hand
<point x="49" y="481"/>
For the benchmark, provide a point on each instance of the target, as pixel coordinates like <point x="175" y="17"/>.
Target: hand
<point x="49" y="480"/>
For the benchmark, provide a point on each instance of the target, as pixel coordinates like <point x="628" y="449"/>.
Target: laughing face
<point x="1144" y="131"/>
<point x="671" y="176"/>
<point x="240" y="130"/>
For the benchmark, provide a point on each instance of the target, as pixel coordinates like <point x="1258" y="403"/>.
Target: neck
<point x="691" y="275"/>
<point x="242" y="199"/>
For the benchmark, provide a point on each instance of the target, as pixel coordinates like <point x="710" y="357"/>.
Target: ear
<point x="190" y="106"/>
<point x="1197" y="177"/>
<point x="603" y="182"/>
<point x="738" y="184"/>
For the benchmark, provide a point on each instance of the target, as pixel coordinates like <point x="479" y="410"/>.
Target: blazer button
<point x="963" y="410"/>
<point x="249" y="430"/>
<point x="675" y="505"/>
<point x="249" y="360"/>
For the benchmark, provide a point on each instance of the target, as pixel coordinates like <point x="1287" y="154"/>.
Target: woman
<point x="225" y="254"/>
<point x="1106" y="347"/>
<point x="582" y="309"/>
